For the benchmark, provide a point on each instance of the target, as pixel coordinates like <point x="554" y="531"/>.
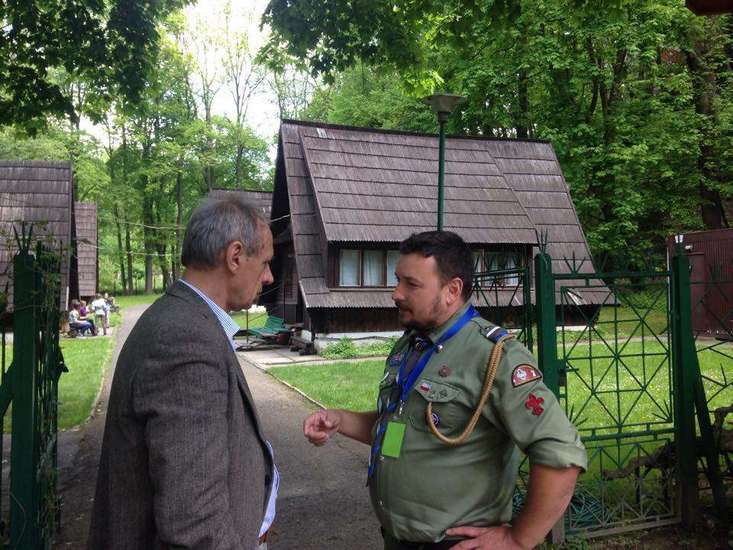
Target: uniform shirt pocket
<point x="448" y="412"/>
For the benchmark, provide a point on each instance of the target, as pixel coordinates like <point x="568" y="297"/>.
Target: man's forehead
<point x="417" y="263"/>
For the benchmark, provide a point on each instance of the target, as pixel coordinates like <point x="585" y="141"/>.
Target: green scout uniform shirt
<point x="431" y="486"/>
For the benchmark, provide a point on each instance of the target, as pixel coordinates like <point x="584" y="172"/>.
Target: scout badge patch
<point x="523" y="374"/>
<point x="436" y="419"/>
<point x="535" y="404"/>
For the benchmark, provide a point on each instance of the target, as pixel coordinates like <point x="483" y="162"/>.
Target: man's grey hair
<point x="217" y="223"/>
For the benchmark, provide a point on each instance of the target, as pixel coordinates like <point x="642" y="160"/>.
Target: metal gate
<point x="605" y="348"/>
<point x="618" y="351"/>
<point x="31" y="365"/>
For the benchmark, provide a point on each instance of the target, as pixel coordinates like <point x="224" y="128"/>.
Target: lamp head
<point x="443" y="104"/>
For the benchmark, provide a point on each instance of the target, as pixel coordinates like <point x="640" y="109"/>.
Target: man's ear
<point x="233" y="256"/>
<point x="455" y="289"/>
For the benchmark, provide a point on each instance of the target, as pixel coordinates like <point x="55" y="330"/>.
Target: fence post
<point x="546" y="332"/>
<point x="23" y="457"/>
<point x="547" y="348"/>
<point x="528" y="311"/>
<point x="684" y="356"/>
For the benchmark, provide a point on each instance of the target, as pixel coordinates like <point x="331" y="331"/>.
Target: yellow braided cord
<point x="492" y="365"/>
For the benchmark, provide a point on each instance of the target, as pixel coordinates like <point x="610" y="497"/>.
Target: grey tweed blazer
<point x="184" y="462"/>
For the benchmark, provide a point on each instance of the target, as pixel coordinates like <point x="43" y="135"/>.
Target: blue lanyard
<point x="407" y="382"/>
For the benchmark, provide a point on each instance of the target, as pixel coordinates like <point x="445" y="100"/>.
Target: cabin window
<point x="373" y="271"/>
<point x="392" y="257"/>
<point x="349" y="268"/>
<point x="367" y="268"/>
<point x="493" y="260"/>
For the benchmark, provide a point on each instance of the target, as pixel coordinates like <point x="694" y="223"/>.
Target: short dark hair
<point x="451" y="253"/>
<point x="217" y="223"/>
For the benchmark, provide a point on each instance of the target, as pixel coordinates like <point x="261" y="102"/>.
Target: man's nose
<point x="267" y="277"/>
<point x="397" y="295"/>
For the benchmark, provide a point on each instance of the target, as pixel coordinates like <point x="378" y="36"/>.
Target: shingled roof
<point x="349" y="184"/>
<point x="85" y="218"/>
<point x="260" y="199"/>
<point x="39" y="193"/>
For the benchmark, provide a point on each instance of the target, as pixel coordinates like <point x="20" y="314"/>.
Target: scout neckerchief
<point x="405" y="382"/>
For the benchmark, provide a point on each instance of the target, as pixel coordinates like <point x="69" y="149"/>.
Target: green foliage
<point x="636" y="97"/>
<point x="112" y="45"/>
<point x="345" y="348"/>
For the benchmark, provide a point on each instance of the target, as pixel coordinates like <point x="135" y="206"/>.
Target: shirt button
<point x="381" y="504"/>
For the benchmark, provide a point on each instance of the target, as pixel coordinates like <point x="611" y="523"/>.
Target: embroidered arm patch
<point x="522" y="374"/>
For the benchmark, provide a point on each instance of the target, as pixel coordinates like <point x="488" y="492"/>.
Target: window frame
<point x="360" y="269"/>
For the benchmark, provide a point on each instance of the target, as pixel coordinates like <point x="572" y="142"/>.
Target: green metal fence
<point x="618" y="351"/>
<point x="31" y="364"/>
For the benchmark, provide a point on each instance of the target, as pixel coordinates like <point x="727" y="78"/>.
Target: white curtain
<point x="392" y="257"/>
<point x="373" y="268"/>
<point x="349" y="268"/>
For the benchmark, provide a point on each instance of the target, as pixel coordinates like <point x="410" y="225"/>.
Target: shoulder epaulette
<point x="494" y="333"/>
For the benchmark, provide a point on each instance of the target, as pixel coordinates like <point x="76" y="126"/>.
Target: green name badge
<point x="392" y="444"/>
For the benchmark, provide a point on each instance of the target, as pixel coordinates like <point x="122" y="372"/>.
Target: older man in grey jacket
<point x="184" y="461"/>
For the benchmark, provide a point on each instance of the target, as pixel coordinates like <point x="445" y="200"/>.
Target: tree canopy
<point x="636" y="97"/>
<point x="110" y="45"/>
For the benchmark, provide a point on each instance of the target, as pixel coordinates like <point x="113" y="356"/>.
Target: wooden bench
<point x="273" y="326"/>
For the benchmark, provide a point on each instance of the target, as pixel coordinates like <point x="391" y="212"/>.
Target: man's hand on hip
<point x="485" y="538"/>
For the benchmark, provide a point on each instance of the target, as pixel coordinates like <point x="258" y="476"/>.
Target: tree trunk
<point x="704" y="91"/>
<point x="148" y="241"/>
<point x="176" y="259"/>
<point x="128" y="251"/>
<point x="119" y="245"/>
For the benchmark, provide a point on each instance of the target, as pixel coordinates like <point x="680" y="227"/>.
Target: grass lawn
<point x="338" y="385"/>
<point x="135" y="299"/>
<point x="86" y="359"/>
<point x="256" y="320"/>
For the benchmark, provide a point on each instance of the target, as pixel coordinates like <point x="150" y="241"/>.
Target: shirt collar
<point x="229" y="325"/>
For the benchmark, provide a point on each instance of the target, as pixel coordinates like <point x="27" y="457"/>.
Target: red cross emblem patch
<point x="535" y="404"/>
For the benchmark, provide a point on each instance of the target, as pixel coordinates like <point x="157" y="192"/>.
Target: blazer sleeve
<point x="183" y="405"/>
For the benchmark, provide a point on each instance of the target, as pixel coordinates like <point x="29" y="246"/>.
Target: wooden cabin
<point x="344" y="198"/>
<point x="40" y="193"/>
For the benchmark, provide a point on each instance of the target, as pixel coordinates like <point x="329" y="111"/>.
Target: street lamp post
<point x="443" y="105"/>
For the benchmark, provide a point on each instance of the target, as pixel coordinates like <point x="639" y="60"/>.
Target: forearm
<point x="549" y="494"/>
<point x="357" y="425"/>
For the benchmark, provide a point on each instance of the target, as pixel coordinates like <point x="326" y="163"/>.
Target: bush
<point x="346" y="349"/>
<point x="343" y="349"/>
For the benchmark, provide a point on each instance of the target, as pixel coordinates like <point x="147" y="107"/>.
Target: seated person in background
<point x="77" y="323"/>
<point x="101" y="312"/>
<point x="83" y="310"/>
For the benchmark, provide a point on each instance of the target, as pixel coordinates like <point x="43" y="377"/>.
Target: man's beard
<point x="426" y="326"/>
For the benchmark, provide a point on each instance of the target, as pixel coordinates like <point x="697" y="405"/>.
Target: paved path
<point x="323" y="503"/>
